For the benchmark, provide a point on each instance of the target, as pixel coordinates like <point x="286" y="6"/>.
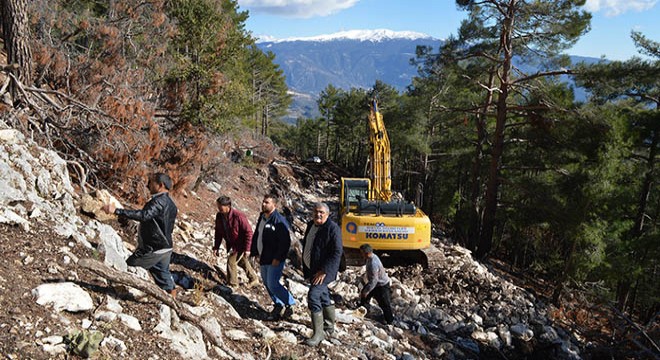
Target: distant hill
<point x="349" y="59"/>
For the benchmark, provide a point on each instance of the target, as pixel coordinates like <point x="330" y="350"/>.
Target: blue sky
<point x="611" y="23"/>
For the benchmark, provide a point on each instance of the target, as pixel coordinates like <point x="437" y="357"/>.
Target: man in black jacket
<point x="322" y="250"/>
<point x="156" y="219"/>
<point x="270" y="242"/>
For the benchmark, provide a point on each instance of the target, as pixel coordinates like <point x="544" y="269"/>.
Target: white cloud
<point x="297" y="8"/>
<point x="618" y="7"/>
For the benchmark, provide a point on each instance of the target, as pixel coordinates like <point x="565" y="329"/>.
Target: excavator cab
<point x="352" y="192"/>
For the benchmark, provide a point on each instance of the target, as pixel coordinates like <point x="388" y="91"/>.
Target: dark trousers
<point x="318" y="297"/>
<point x="383" y="295"/>
<point x="157" y="264"/>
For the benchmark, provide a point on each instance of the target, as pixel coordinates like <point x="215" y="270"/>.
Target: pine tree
<point x="496" y="33"/>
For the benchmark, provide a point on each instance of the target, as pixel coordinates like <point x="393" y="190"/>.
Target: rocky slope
<point x="54" y="307"/>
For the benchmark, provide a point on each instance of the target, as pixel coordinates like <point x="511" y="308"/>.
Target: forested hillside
<point x="139" y="85"/>
<point x="510" y="166"/>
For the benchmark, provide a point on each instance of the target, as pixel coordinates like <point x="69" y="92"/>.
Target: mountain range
<point x="345" y="59"/>
<point x="348" y="59"/>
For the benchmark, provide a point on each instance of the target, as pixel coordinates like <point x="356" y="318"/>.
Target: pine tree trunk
<point x="266" y="121"/>
<point x="16" y="32"/>
<point x="646" y="187"/>
<point x="474" y="219"/>
<point x="622" y="293"/>
<point x="492" y="187"/>
<point x="326" y="155"/>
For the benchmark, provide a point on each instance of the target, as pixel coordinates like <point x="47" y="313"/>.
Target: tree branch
<point x="544" y="74"/>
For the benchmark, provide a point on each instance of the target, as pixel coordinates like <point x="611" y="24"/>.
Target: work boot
<point x="288" y="311"/>
<point x="276" y="312"/>
<point x="253" y="283"/>
<point x="317" y="326"/>
<point x="329" y="319"/>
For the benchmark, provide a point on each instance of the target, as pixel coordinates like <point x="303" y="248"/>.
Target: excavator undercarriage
<point x="428" y="257"/>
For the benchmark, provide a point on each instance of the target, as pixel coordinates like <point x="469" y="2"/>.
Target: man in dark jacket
<point x="232" y="225"/>
<point x="271" y="242"/>
<point x="156" y="219"/>
<point x="322" y="250"/>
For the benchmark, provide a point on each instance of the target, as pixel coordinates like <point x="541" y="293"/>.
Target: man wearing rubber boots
<point x="322" y="250"/>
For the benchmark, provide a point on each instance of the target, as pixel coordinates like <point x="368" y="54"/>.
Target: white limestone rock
<point x="131" y="322"/>
<point x="63" y="296"/>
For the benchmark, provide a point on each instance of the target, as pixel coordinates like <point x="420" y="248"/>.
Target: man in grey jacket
<point x="378" y="284"/>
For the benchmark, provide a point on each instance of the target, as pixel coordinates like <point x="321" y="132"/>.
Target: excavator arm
<point x="379" y="156"/>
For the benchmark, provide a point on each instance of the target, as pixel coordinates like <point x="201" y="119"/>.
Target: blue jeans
<point x="318" y="297"/>
<point x="271" y="277"/>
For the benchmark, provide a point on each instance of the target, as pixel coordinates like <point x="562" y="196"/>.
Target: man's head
<point x="224" y="204"/>
<point x="320" y="214"/>
<point x="366" y="250"/>
<point x="159" y="182"/>
<point x="269" y="204"/>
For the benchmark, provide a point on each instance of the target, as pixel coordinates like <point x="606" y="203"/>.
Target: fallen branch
<point x="28" y="99"/>
<point x="640" y="331"/>
<point x="5" y="85"/>
<point x="82" y="174"/>
<point x="109" y="273"/>
<point x="8" y="67"/>
<point x="80" y="104"/>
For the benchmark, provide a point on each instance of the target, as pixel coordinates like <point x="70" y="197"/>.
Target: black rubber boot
<point x="317" y="326"/>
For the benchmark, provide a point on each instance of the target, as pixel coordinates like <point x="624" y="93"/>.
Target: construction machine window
<point x="356" y="190"/>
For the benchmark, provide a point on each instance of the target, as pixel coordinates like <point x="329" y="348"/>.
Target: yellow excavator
<point x="368" y="214"/>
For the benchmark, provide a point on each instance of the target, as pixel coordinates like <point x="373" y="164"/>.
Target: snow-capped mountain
<point x="376" y="35"/>
<point x="346" y="59"/>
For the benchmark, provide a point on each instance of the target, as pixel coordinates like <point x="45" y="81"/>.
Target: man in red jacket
<point x="232" y="225"/>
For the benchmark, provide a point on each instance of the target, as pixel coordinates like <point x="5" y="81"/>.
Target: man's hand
<point x="275" y="262"/>
<point x="317" y="279"/>
<point x="108" y="208"/>
<point x="216" y="252"/>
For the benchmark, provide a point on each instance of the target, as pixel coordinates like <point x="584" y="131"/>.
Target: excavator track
<point x="433" y="256"/>
<point x="430" y="257"/>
